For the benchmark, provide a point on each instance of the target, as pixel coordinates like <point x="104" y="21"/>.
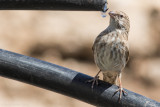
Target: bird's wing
<point x="95" y="42"/>
<point x="127" y="54"/>
<point x="105" y="32"/>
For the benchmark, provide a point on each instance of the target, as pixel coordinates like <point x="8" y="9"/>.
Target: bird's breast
<point x="110" y="52"/>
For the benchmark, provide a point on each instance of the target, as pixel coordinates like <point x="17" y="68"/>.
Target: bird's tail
<point x="110" y="77"/>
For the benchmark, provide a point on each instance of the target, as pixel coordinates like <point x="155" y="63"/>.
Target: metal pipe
<point x="66" y="81"/>
<point x="96" y="5"/>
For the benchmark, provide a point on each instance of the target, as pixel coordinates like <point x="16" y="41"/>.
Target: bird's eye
<point x="121" y="16"/>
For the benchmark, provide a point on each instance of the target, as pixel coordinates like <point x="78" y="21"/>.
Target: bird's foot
<point x="94" y="81"/>
<point x="120" y="90"/>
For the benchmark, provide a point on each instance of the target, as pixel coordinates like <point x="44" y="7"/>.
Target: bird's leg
<point x="94" y="80"/>
<point x="120" y="89"/>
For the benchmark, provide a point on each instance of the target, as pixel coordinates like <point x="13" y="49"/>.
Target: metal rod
<point x="66" y="81"/>
<point x="96" y="5"/>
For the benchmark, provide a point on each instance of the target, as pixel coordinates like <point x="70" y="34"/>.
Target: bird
<point x="111" y="50"/>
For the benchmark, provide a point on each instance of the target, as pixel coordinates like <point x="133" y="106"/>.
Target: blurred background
<point x="66" y="37"/>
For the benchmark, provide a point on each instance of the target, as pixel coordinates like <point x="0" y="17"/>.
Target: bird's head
<point x="119" y="20"/>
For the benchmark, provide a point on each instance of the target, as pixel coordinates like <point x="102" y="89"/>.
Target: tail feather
<point x="110" y="77"/>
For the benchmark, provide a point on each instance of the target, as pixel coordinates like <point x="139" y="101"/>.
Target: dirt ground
<point x="66" y="37"/>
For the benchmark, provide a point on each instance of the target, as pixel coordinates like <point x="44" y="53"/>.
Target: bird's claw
<point x="94" y="81"/>
<point x="120" y="90"/>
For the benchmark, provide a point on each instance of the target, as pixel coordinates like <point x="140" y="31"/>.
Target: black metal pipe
<point x="66" y="81"/>
<point x="96" y="5"/>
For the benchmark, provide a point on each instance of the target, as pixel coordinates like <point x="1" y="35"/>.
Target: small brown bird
<point x="110" y="49"/>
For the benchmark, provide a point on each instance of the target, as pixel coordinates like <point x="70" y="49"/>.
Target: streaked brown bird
<point x="111" y="51"/>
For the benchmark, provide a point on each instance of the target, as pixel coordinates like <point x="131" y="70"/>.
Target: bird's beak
<point x="112" y="14"/>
